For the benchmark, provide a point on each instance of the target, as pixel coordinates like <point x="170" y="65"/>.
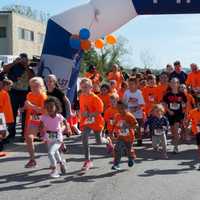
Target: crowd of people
<point x="119" y="110"/>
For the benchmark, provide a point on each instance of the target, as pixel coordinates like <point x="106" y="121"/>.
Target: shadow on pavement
<point x="26" y="180"/>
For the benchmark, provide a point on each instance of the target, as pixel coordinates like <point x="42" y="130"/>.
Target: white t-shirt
<point x="134" y="100"/>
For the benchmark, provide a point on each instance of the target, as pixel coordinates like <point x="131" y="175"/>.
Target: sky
<point x="162" y="39"/>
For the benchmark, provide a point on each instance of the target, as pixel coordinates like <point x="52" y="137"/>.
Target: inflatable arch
<point x="101" y="17"/>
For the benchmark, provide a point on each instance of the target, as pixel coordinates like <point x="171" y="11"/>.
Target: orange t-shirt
<point x="109" y="116"/>
<point x="151" y="97"/>
<point x="161" y="90"/>
<point x="193" y="79"/>
<point x="190" y="102"/>
<point x="37" y="100"/>
<point x="6" y="107"/>
<point x="124" y="133"/>
<point x="121" y="93"/>
<point x="106" y="100"/>
<point x="91" y="103"/>
<point x="117" y="76"/>
<point x="194" y="116"/>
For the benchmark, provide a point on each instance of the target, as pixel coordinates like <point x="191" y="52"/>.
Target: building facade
<point x="19" y="34"/>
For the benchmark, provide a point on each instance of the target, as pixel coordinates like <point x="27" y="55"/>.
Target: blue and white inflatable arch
<point x="101" y="17"/>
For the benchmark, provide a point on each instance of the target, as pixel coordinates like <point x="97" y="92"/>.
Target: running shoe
<point x="131" y="162"/>
<point x="87" y="165"/>
<point x="115" y="167"/>
<point x="55" y="174"/>
<point x="63" y="167"/>
<point x="31" y="164"/>
<point x="175" y="150"/>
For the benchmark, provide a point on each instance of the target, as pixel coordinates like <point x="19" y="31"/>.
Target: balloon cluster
<point x="82" y="41"/>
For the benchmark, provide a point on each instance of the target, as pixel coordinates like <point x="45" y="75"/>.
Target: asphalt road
<point x="150" y="179"/>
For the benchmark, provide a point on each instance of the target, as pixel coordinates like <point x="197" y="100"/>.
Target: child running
<point x="91" y="120"/>
<point x="124" y="129"/>
<point x="52" y="126"/>
<point x="133" y="98"/>
<point x="175" y="105"/>
<point x="34" y="107"/>
<point x="109" y="115"/>
<point x="158" y="126"/>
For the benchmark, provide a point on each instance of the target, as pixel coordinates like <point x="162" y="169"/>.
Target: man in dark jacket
<point x="178" y="73"/>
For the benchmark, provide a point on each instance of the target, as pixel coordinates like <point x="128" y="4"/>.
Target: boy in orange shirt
<point x="163" y="86"/>
<point x="150" y="93"/>
<point x="194" y="117"/>
<point x="113" y="87"/>
<point x="3" y="128"/>
<point x="124" y="128"/>
<point x="123" y="89"/>
<point x="105" y="95"/>
<point x="6" y="109"/>
<point x="7" y="84"/>
<point x="193" y="79"/>
<point x="109" y="114"/>
<point x="116" y="74"/>
<point x="91" y="120"/>
<point x="189" y="106"/>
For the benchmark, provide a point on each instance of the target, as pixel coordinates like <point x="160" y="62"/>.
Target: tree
<point x="28" y="11"/>
<point x="104" y="58"/>
<point x="146" y="58"/>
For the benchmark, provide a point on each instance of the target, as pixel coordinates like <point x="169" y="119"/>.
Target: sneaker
<point x="87" y="165"/>
<point x="175" y="150"/>
<point x="55" y="174"/>
<point x="115" y="167"/>
<point x="156" y="149"/>
<point x="63" y="167"/>
<point x="31" y="164"/>
<point x="131" y="162"/>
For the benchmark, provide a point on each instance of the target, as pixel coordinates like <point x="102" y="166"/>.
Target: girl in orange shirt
<point x="91" y="120"/>
<point x="125" y="123"/>
<point x="34" y="107"/>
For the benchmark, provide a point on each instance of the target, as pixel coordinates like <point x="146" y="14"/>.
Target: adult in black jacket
<point x="178" y="73"/>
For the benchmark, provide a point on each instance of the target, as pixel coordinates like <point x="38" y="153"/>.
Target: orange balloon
<point x="99" y="44"/>
<point x="86" y="45"/>
<point x="111" y="39"/>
